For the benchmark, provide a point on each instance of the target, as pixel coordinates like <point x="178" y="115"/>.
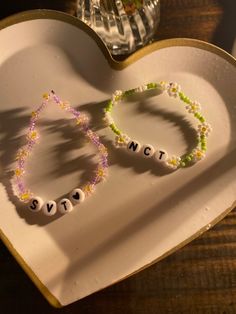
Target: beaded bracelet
<point x="65" y="205"/>
<point x="147" y="151"/>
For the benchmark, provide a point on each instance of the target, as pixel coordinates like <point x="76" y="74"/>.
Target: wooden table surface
<point x="199" y="278"/>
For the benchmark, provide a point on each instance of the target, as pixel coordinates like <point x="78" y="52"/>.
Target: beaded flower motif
<point x="193" y="107"/>
<point x="173" y="89"/>
<point x="121" y="140"/>
<point x="108" y="118"/>
<point x="204" y="129"/>
<point x="198" y="154"/>
<point x="173" y="162"/>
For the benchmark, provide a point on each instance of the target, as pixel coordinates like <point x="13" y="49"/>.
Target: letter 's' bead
<point x="49" y="208"/>
<point x="147" y="151"/>
<point x="77" y="196"/>
<point x="64" y="206"/>
<point x="133" y="146"/>
<point x="35" y="204"/>
<point x="161" y="155"/>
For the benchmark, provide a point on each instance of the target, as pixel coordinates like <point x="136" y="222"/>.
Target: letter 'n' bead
<point x="134" y="147"/>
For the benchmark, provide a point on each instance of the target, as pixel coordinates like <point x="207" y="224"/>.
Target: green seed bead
<point x="188" y="158"/>
<point x="151" y="85"/>
<point x="182" y="164"/>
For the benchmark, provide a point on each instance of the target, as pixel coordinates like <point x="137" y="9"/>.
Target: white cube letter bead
<point x="35" y="204"/>
<point x="161" y="155"/>
<point x="147" y="151"/>
<point x="77" y="196"/>
<point x="64" y="206"/>
<point x="133" y="146"/>
<point x="49" y="208"/>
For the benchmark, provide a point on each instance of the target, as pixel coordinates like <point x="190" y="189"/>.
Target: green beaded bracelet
<point x="193" y="107"/>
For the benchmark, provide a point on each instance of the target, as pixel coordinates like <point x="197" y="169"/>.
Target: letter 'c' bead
<point x="49" y="208"/>
<point x="64" y="206"/>
<point x="133" y="146"/>
<point x="147" y="151"/>
<point x="161" y="155"/>
<point x="35" y="204"/>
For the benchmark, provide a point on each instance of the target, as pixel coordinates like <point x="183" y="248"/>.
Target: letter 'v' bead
<point x="49" y="208"/>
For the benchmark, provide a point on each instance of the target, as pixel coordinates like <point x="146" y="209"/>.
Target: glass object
<point x="124" y="25"/>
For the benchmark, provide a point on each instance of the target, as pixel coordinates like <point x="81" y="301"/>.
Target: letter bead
<point x="77" y="196"/>
<point x="161" y="156"/>
<point x="65" y="206"/>
<point x="35" y="204"/>
<point x="148" y="151"/>
<point x="49" y="208"/>
<point x="133" y="146"/>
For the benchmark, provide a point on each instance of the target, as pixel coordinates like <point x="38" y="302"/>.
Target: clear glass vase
<point x="124" y="25"/>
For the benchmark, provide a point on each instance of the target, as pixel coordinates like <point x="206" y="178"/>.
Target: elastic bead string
<point x="32" y="136"/>
<point x="193" y="107"/>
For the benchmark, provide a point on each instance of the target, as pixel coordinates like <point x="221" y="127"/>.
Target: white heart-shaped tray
<point x="140" y="214"/>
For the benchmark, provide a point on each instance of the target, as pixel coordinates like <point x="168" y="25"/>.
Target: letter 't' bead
<point x="49" y="208"/>
<point x="77" y="196"/>
<point x="133" y="146"/>
<point x="35" y="204"/>
<point x="147" y="151"/>
<point x="161" y="155"/>
<point x="65" y="206"/>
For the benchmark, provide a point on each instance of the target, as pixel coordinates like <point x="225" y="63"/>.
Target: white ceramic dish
<point x="139" y="215"/>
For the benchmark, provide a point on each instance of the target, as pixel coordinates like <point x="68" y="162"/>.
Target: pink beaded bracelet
<point x="65" y="205"/>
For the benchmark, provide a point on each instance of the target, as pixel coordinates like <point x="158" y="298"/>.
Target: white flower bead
<point x="77" y="196"/>
<point x="64" y="206"/>
<point x="35" y="204"/>
<point x="108" y="118"/>
<point x="198" y="154"/>
<point x="161" y="156"/>
<point x="49" y="208"/>
<point x="204" y="129"/>
<point x="147" y="151"/>
<point x="121" y="140"/>
<point x="141" y="89"/>
<point x="173" y="162"/>
<point x="173" y="89"/>
<point x="133" y="146"/>
<point x="118" y="93"/>
<point x="194" y="107"/>
<point x="163" y="85"/>
<point x="116" y="96"/>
